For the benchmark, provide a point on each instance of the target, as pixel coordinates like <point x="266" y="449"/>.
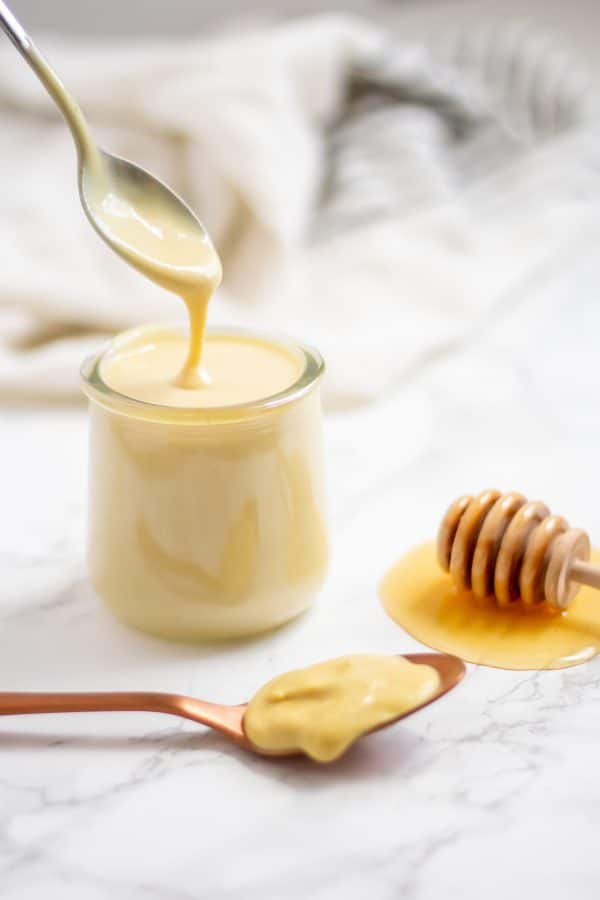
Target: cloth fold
<point x="373" y="196"/>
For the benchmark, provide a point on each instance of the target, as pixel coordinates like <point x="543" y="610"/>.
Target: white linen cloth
<point x="372" y="196"/>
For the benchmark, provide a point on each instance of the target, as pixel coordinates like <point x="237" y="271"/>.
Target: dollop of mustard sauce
<point x="322" y="709"/>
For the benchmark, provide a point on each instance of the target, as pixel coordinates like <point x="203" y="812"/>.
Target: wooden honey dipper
<point x="503" y="547"/>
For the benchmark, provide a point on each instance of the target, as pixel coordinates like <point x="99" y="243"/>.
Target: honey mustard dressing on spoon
<point x="320" y="710"/>
<point x="323" y="709"/>
<point x="138" y="216"/>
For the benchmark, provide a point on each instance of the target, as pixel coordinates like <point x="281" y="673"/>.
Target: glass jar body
<point x="207" y="530"/>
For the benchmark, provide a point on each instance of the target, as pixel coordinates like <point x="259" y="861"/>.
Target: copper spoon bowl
<point x="229" y="720"/>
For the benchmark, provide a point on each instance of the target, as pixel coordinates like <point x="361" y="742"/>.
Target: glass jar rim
<point x="95" y="387"/>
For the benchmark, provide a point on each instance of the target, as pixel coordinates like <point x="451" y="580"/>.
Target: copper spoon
<point x="229" y="720"/>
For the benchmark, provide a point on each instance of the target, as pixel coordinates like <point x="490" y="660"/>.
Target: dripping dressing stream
<point x="137" y="215"/>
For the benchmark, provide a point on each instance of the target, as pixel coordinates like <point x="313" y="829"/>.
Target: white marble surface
<point x="493" y="791"/>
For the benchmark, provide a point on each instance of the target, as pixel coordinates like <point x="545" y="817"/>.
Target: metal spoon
<point x="229" y="720"/>
<point x="102" y="176"/>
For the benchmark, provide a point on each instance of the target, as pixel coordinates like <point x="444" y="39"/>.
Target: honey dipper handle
<point x="585" y="573"/>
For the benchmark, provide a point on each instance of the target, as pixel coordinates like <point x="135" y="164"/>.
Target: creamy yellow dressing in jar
<point x="243" y="368"/>
<point x="206" y="474"/>
<point x="206" y="513"/>
<point x="206" y="470"/>
<point x="324" y="708"/>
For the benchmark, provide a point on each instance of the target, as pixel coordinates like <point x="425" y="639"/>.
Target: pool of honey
<point x="421" y="598"/>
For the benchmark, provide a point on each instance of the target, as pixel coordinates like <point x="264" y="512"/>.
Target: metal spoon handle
<point x="227" y="719"/>
<point x="14" y="29"/>
<point x="22" y="703"/>
<point x="48" y="77"/>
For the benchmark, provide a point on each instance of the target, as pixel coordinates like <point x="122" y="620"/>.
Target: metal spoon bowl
<point x="162" y="237"/>
<point x="229" y="720"/>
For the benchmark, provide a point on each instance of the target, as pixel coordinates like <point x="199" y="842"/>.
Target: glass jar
<point x="207" y="523"/>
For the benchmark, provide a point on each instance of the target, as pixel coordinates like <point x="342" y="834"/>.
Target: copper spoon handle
<point x="227" y="719"/>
